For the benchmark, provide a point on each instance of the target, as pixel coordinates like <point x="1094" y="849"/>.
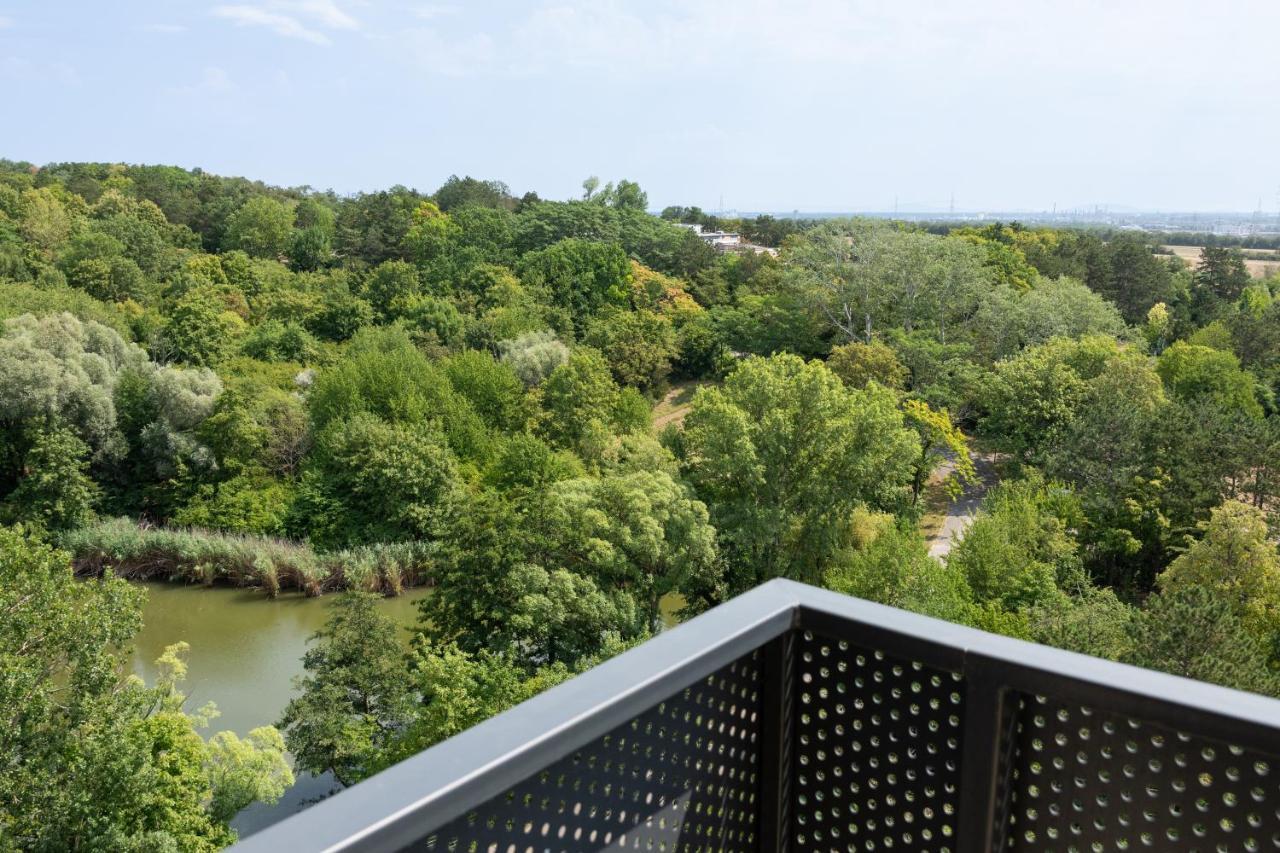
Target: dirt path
<point x="962" y="510"/>
<point x="675" y="405"/>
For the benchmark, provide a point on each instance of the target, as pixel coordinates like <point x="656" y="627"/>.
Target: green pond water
<point x="246" y="649"/>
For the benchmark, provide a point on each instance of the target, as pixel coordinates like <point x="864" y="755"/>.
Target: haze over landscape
<point x="817" y="105"/>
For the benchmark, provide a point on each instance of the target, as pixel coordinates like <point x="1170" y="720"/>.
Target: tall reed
<point x="145" y="552"/>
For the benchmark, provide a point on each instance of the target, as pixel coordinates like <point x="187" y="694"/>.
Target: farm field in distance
<point x="1257" y="268"/>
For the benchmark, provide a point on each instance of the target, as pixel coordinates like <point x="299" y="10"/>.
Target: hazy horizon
<point x="817" y="106"/>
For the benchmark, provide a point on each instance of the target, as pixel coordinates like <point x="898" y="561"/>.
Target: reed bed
<point x="144" y="552"/>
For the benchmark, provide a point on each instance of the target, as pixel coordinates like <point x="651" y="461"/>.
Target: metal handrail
<point x="402" y="805"/>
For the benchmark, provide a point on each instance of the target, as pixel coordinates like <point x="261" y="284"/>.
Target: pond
<point x="246" y="650"/>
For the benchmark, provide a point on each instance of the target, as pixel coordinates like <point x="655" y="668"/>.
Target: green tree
<point x="864" y="276"/>
<point x="782" y="454"/>
<point x="356" y="694"/>
<point x="1190" y="371"/>
<point x="577" y="397"/>
<point x="857" y="364"/>
<point x="432" y="238"/>
<point x="311" y="245"/>
<point x="459" y="192"/>
<point x="459" y="690"/>
<point x="1194" y="633"/>
<point x="581" y="276"/>
<point x="389" y="286"/>
<point x="310" y="248"/>
<point x="1090" y="621"/>
<point x="939" y="440"/>
<point x="384" y="375"/>
<point x="643" y="532"/>
<point x="627" y="195"/>
<point x="639" y="346"/>
<point x="501" y="584"/>
<point x="244" y="503"/>
<point x="494" y="390"/>
<point x="1109" y="451"/>
<point x="524" y="461"/>
<point x="887" y="561"/>
<point x="1126" y="272"/>
<point x="1221" y="274"/>
<point x="1008" y="321"/>
<point x="1237" y="562"/>
<point x="370" y="481"/>
<point x="56" y="491"/>
<point x="200" y="330"/>
<point x="45" y="221"/>
<point x="372" y="226"/>
<point x="1031" y="397"/>
<point x="1158" y="327"/>
<point x="262" y="227"/>
<point x="1018" y="551"/>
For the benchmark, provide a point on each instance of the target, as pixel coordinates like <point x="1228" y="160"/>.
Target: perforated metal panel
<point x="681" y="776"/>
<point x="877" y="751"/>
<point x="1087" y="780"/>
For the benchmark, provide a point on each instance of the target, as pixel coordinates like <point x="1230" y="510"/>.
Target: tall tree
<point x="782" y="454"/>
<point x="355" y="695"/>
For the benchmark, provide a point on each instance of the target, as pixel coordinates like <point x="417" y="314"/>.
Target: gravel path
<point x="962" y="510"/>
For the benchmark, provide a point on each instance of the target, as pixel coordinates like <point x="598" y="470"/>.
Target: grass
<point x="141" y="552"/>
<point x="673" y="407"/>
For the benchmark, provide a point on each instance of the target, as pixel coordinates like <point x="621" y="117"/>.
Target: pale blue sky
<point x="809" y="104"/>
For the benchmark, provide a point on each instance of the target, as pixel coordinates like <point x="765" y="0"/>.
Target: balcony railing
<point x="793" y="718"/>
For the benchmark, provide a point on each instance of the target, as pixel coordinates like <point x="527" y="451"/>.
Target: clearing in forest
<point x="673" y="407"/>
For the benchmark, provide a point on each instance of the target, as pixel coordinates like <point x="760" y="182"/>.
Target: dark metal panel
<point x="398" y="806"/>
<point x="878" y="749"/>
<point x="1246" y="719"/>
<point x="683" y="775"/>
<point x="1088" y="779"/>
<point x="873" y="725"/>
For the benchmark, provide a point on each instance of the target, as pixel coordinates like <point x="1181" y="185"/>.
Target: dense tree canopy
<point x="576" y="419"/>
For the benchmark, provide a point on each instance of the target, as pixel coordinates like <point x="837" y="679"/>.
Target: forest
<point x="210" y="380"/>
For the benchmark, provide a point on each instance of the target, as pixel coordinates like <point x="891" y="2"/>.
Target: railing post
<point x="988" y="719"/>
<point x="776" y="728"/>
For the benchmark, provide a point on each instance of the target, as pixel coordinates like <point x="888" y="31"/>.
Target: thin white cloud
<point x="296" y="19"/>
<point x="5" y="22"/>
<point x="323" y="12"/>
<point x="433" y="11"/>
<point x="281" y="25"/>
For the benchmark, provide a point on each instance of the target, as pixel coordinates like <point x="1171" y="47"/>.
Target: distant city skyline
<point x="813" y="105"/>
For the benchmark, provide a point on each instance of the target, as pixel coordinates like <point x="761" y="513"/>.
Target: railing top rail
<point x="379" y="813"/>
<point x="389" y="810"/>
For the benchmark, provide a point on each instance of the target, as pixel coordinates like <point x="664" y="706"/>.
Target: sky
<point x="810" y="105"/>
